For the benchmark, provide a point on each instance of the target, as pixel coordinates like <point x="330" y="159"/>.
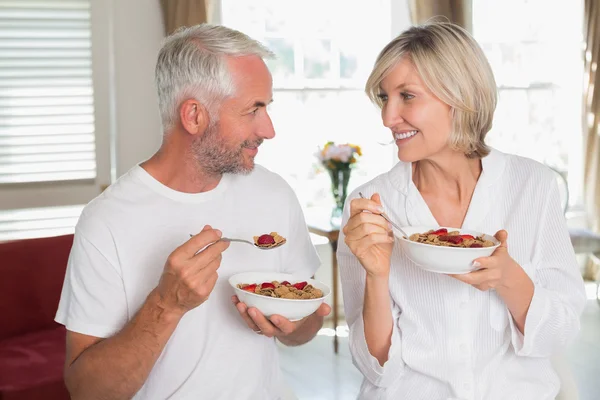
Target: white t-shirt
<point x="122" y="241"/>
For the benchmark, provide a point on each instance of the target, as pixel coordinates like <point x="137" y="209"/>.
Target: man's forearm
<point x="304" y="333"/>
<point x="117" y="367"/>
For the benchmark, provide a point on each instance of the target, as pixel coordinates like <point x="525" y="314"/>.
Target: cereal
<point x="441" y="237"/>
<point x="269" y="240"/>
<point x="283" y="290"/>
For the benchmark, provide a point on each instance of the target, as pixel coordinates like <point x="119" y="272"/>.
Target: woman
<point x="484" y="335"/>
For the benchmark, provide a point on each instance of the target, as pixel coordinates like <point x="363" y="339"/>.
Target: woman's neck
<point x="450" y="174"/>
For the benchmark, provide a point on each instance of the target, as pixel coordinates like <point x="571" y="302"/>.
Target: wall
<point x="138" y="32"/>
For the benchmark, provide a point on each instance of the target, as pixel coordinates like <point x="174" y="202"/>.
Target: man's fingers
<point x="265" y="326"/>
<point x="199" y="241"/>
<point x="210" y="253"/>
<point x="283" y="324"/>
<point x="243" y="310"/>
<point x="323" y="310"/>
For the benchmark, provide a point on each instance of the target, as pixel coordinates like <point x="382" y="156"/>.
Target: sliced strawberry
<point x="474" y="245"/>
<point x="285" y="283"/>
<point x="266" y="239"/>
<point x="467" y="237"/>
<point x="452" y="239"/>
<point x="267" y="285"/>
<point x="441" y="231"/>
<point x="249" y="288"/>
<point x="300" y="285"/>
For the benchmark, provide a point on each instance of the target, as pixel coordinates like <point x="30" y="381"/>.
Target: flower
<point x="338" y="156"/>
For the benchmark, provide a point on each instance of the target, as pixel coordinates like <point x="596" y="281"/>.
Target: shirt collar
<point x="493" y="165"/>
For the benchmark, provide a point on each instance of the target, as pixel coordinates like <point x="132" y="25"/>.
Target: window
<point x="54" y="131"/>
<point x="325" y="51"/>
<point x="46" y="94"/>
<point x="535" y="49"/>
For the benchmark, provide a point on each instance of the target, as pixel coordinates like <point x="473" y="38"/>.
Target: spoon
<point x="226" y="239"/>
<point x="384" y="215"/>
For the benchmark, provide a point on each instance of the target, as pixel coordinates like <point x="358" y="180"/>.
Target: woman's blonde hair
<point x="454" y="68"/>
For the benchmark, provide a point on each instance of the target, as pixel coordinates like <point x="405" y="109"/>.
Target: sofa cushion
<point x="32" y="360"/>
<point x="32" y="272"/>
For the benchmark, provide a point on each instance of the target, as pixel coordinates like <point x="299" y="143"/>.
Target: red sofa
<point x="32" y="345"/>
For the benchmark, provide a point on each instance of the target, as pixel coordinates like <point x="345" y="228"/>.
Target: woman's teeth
<point x="405" y="135"/>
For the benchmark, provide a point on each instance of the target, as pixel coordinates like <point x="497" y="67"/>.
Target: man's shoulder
<point x="118" y="198"/>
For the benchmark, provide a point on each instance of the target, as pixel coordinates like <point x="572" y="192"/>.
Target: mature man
<point x="147" y="314"/>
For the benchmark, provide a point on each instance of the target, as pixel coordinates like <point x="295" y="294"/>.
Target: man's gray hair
<point x="191" y="64"/>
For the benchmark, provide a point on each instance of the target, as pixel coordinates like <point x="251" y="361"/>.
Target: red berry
<point x="267" y="285"/>
<point x="440" y="231"/>
<point x="285" y="283"/>
<point x="452" y="239"/>
<point x="299" y="285"/>
<point x="476" y="245"/>
<point x="266" y="239"/>
<point x="249" y="288"/>
<point x="467" y="237"/>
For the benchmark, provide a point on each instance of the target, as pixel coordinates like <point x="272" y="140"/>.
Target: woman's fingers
<point x="366" y="218"/>
<point x="359" y="205"/>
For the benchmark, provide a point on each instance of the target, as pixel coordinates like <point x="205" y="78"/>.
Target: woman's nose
<point x="391" y="115"/>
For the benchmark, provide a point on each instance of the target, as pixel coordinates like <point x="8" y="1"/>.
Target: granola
<point x="441" y="237"/>
<point x="283" y="290"/>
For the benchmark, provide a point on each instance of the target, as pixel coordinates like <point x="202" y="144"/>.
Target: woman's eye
<point x="406" y="96"/>
<point x="382" y="97"/>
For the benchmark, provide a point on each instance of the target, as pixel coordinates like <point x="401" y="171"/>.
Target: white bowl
<point x="442" y="259"/>
<point x="289" y="308"/>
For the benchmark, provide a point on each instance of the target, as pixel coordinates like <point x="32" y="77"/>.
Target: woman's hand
<point x="498" y="271"/>
<point x="369" y="236"/>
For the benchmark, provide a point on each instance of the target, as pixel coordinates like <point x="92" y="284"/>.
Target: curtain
<point x="178" y="13"/>
<point x="591" y="114"/>
<point x="457" y="11"/>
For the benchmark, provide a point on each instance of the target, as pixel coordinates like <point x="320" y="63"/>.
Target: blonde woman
<point x="485" y="335"/>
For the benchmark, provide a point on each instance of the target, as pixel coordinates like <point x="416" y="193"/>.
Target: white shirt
<point x="450" y="340"/>
<point x="122" y="241"/>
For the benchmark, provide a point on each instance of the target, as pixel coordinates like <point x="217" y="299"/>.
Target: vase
<point x="339" y="190"/>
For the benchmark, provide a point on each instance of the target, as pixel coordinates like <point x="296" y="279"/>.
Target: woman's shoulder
<point x="524" y="168"/>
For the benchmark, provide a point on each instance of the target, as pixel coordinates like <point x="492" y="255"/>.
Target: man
<point x="148" y="310"/>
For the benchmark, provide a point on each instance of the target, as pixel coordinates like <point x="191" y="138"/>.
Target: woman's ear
<point x="194" y="117"/>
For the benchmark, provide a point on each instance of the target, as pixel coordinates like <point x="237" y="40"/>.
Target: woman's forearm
<point x="377" y="317"/>
<point x="517" y="297"/>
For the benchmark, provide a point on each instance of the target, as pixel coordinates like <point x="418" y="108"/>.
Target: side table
<point x="323" y="227"/>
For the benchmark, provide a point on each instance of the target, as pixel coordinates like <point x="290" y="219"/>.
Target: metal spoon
<point x="384" y="215"/>
<point x="226" y="239"/>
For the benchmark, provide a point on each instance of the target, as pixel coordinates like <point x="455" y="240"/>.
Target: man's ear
<point x="194" y="117"/>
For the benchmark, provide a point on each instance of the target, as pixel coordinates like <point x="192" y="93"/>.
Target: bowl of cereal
<point x="445" y="250"/>
<point x="278" y="293"/>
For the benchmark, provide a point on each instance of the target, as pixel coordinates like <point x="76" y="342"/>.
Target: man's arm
<point x="116" y="368"/>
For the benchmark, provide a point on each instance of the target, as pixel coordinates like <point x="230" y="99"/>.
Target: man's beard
<point x="215" y="158"/>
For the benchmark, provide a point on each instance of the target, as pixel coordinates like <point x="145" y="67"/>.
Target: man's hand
<point x="276" y="326"/>
<point x="190" y="272"/>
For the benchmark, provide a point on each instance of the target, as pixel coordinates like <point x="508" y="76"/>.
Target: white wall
<point x="137" y="32"/>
